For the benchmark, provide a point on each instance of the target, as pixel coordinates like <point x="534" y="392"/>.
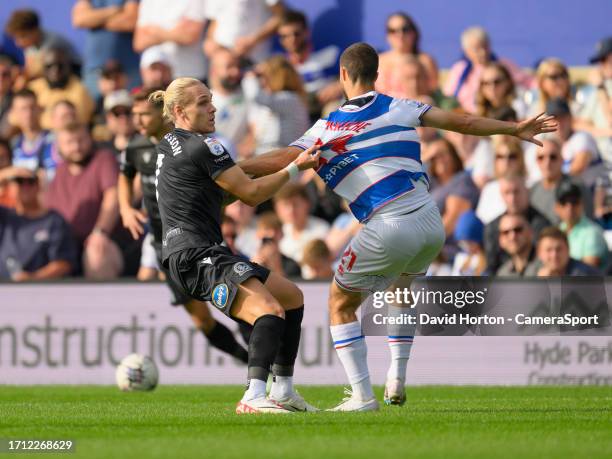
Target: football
<point x="137" y="372"/>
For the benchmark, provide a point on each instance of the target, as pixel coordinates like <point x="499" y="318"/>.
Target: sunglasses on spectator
<point x="517" y="229"/>
<point x="549" y="157"/>
<point x="403" y="30"/>
<point x="495" y="82"/>
<point x="510" y="157"/>
<point x="25" y="180"/>
<point x="556" y="76"/>
<point x="121" y="112"/>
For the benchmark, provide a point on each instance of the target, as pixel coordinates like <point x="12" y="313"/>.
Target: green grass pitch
<point x="199" y="422"/>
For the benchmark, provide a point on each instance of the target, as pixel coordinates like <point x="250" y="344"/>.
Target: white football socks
<point x="256" y="389"/>
<point x="282" y="387"/>
<point x="400" y="338"/>
<point x="352" y="352"/>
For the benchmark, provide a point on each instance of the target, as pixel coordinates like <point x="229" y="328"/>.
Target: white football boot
<point x="351" y="403"/>
<point x="295" y="402"/>
<point x="395" y="392"/>
<point x="260" y="405"/>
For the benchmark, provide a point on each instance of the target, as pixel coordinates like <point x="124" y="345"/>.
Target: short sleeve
<point x="196" y="10"/>
<point x="212" y="9"/>
<point x="594" y="244"/>
<point x="311" y="136"/>
<point x="126" y="163"/>
<point x="212" y="157"/>
<point x="406" y="112"/>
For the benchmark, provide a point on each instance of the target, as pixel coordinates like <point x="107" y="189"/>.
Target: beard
<point x="229" y="84"/>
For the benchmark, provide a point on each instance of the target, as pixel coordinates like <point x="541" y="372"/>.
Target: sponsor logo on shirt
<point x="354" y="126"/>
<point x="220" y="296"/>
<point x="339" y="166"/>
<point x="41" y="235"/>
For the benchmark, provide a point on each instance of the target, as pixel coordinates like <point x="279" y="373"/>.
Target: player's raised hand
<point x="133" y="220"/>
<point x="528" y="129"/>
<point x="309" y="158"/>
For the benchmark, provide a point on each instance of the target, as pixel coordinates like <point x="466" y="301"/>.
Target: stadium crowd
<point x="509" y="208"/>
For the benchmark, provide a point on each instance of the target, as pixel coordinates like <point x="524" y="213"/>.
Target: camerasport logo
<point x="241" y="268"/>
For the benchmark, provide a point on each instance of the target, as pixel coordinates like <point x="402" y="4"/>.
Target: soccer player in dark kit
<point x="193" y="171"/>
<point x="140" y="157"/>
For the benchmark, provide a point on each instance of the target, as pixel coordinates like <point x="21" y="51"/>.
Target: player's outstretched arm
<point x="476" y="125"/>
<point x="270" y="162"/>
<point x="255" y="191"/>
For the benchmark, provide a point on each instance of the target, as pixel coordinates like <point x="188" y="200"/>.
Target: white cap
<point x="153" y="55"/>
<point x="120" y="98"/>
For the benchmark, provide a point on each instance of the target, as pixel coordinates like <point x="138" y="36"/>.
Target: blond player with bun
<point x="193" y="172"/>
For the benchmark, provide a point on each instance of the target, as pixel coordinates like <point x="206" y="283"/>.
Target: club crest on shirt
<point x="240" y="268"/>
<point x="220" y="295"/>
<point x="214" y="146"/>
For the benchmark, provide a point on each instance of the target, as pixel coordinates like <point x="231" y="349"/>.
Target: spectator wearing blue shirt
<point x="110" y="25"/>
<point x="35" y="243"/>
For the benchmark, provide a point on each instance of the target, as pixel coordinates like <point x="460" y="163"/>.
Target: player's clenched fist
<point x="308" y="159"/>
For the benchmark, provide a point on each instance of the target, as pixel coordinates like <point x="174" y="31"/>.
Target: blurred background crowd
<point x="68" y="112"/>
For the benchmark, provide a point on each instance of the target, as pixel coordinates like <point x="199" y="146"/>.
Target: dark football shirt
<point x="189" y="199"/>
<point x="140" y="156"/>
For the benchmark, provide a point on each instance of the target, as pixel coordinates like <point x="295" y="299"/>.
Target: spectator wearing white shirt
<point x="299" y="227"/>
<point x="176" y="29"/>
<point x="245" y="26"/>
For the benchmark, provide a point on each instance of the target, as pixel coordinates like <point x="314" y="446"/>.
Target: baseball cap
<point x="603" y="48"/>
<point x="558" y="107"/>
<point x="111" y="69"/>
<point x="120" y="98"/>
<point x="154" y="55"/>
<point x="469" y="228"/>
<point x="567" y="190"/>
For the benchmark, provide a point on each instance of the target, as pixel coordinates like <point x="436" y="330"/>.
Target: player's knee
<point x="270" y="306"/>
<point x="295" y="297"/>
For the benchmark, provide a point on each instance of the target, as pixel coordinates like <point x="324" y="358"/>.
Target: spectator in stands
<point x="244" y="216"/>
<point x="553" y="83"/>
<point x="7" y="80"/>
<point x="482" y="161"/>
<point x="471" y="259"/>
<point x="35" y="243"/>
<point x="299" y="227"/>
<point x="278" y="114"/>
<point x="118" y="109"/>
<point x="453" y="189"/>
<point x="496" y="92"/>
<point x="343" y="228"/>
<point x="9" y="49"/>
<point x="6" y="196"/>
<point x="516" y="240"/>
<point x="111" y="78"/>
<point x="84" y="192"/>
<point x="597" y="112"/>
<point x="270" y="234"/>
<point x="24" y="27"/>
<point x="586" y="240"/>
<point x="554" y="257"/>
<point x="465" y="75"/>
<point x="33" y="147"/>
<point x="579" y="149"/>
<point x="403" y="37"/>
<point x="109" y="25"/>
<point x="246" y="27"/>
<point x="542" y="193"/>
<point x="317" y="68"/>
<point x="231" y="118"/>
<point x="602" y="200"/>
<point x="63" y="112"/>
<point x="317" y="261"/>
<point x="57" y="83"/>
<point x="229" y="230"/>
<point x="176" y="30"/>
<point x="509" y="159"/>
<point x="415" y="86"/>
<point x="155" y="70"/>
<point x="516" y="197"/>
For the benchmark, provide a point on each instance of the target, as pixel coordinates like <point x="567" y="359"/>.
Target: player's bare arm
<point x="476" y="125"/>
<point x="270" y="162"/>
<point x="133" y="219"/>
<point x="255" y="191"/>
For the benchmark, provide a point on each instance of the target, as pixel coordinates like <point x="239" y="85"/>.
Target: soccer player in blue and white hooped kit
<point x="370" y="156"/>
